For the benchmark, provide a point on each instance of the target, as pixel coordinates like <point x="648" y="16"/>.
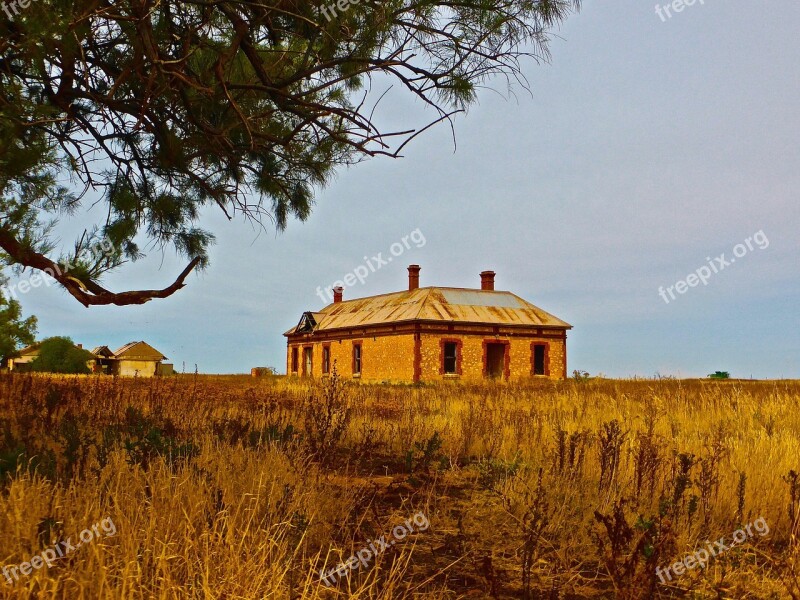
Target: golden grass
<point x="233" y="487"/>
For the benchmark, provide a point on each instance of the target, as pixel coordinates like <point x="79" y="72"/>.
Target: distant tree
<point x="14" y="330"/>
<point x="720" y="375"/>
<point x="161" y="108"/>
<point x="61" y="355"/>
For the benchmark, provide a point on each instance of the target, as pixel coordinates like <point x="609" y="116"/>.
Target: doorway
<point x="495" y="360"/>
<point x="307" y="354"/>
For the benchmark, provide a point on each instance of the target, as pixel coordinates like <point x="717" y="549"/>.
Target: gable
<point x="139" y="351"/>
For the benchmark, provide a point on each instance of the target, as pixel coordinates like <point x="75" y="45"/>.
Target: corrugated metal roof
<point x="435" y="304"/>
<point x="483" y="298"/>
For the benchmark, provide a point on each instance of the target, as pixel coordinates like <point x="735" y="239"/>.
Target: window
<point x="326" y="359"/>
<point x="294" y="360"/>
<point x="308" y="354"/>
<point x="357" y="358"/>
<point x="540" y="361"/>
<point x="450" y="362"/>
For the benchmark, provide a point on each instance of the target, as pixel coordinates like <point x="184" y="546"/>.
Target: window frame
<point x="360" y="346"/>
<point x="294" y="360"/>
<point x="326" y="359"/>
<point x="310" y="350"/>
<point x="442" y="356"/>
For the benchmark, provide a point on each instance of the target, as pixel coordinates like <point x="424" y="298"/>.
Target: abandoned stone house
<point x="134" y="359"/>
<point x="430" y="334"/>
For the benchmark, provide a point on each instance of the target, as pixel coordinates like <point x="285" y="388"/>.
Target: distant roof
<point x="139" y="350"/>
<point x="103" y="351"/>
<point x="31" y="350"/>
<point x="432" y="304"/>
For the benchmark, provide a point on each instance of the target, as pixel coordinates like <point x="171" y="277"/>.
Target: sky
<point x="646" y="148"/>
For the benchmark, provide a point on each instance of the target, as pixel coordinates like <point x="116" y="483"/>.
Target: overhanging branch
<point x="88" y="293"/>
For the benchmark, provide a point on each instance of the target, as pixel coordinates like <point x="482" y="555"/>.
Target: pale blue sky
<point x="645" y="147"/>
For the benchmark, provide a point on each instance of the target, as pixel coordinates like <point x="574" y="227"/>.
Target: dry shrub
<point x="241" y="487"/>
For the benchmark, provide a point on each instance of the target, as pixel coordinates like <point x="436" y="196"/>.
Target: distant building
<point x="104" y="360"/>
<point x="430" y="334"/>
<point x="22" y="362"/>
<point x="135" y="359"/>
<point x="24" y="358"/>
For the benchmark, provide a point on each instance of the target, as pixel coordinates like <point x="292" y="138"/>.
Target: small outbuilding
<point x="137" y="359"/>
<point x="22" y="361"/>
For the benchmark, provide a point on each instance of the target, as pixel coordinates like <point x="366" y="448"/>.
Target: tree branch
<point x="88" y="293"/>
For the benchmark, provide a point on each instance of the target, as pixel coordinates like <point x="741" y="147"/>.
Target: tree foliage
<point x="61" y="355"/>
<point x="14" y="330"/>
<point x="160" y="108"/>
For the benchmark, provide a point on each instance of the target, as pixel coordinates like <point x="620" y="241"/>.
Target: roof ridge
<point x="427" y="287"/>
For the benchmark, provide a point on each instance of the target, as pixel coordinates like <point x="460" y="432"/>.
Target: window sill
<point x="452" y="376"/>
<point x="356" y="375"/>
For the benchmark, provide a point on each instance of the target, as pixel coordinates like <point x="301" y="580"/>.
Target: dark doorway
<point x="294" y="360"/>
<point x="495" y="360"/>
<point x="539" y="359"/>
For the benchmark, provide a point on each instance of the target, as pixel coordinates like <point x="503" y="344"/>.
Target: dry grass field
<point x="243" y="488"/>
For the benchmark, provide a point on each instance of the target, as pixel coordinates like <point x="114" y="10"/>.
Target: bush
<point x="61" y="355"/>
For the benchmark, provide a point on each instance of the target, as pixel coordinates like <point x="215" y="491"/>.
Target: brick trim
<point x="457" y="342"/>
<point x="546" y="357"/>
<point x="430" y="328"/>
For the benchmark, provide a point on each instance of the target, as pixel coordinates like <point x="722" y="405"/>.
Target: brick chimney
<point x="413" y="277"/>
<point x="487" y="280"/>
<point x="337" y="294"/>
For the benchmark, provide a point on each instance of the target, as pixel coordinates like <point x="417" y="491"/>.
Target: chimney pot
<point x="337" y="294"/>
<point x="487" y="280"/>
<point x="413" y="277"/>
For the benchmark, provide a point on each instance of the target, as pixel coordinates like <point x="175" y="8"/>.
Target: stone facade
<point x="430" y="334"/>
<point x="412" y="357"/>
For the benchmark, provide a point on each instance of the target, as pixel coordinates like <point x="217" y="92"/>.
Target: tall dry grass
<point x="232" y="487"/>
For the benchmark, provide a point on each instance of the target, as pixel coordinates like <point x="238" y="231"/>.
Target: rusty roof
<point x="455" y="305"/>
<point x="140" y="351"/>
